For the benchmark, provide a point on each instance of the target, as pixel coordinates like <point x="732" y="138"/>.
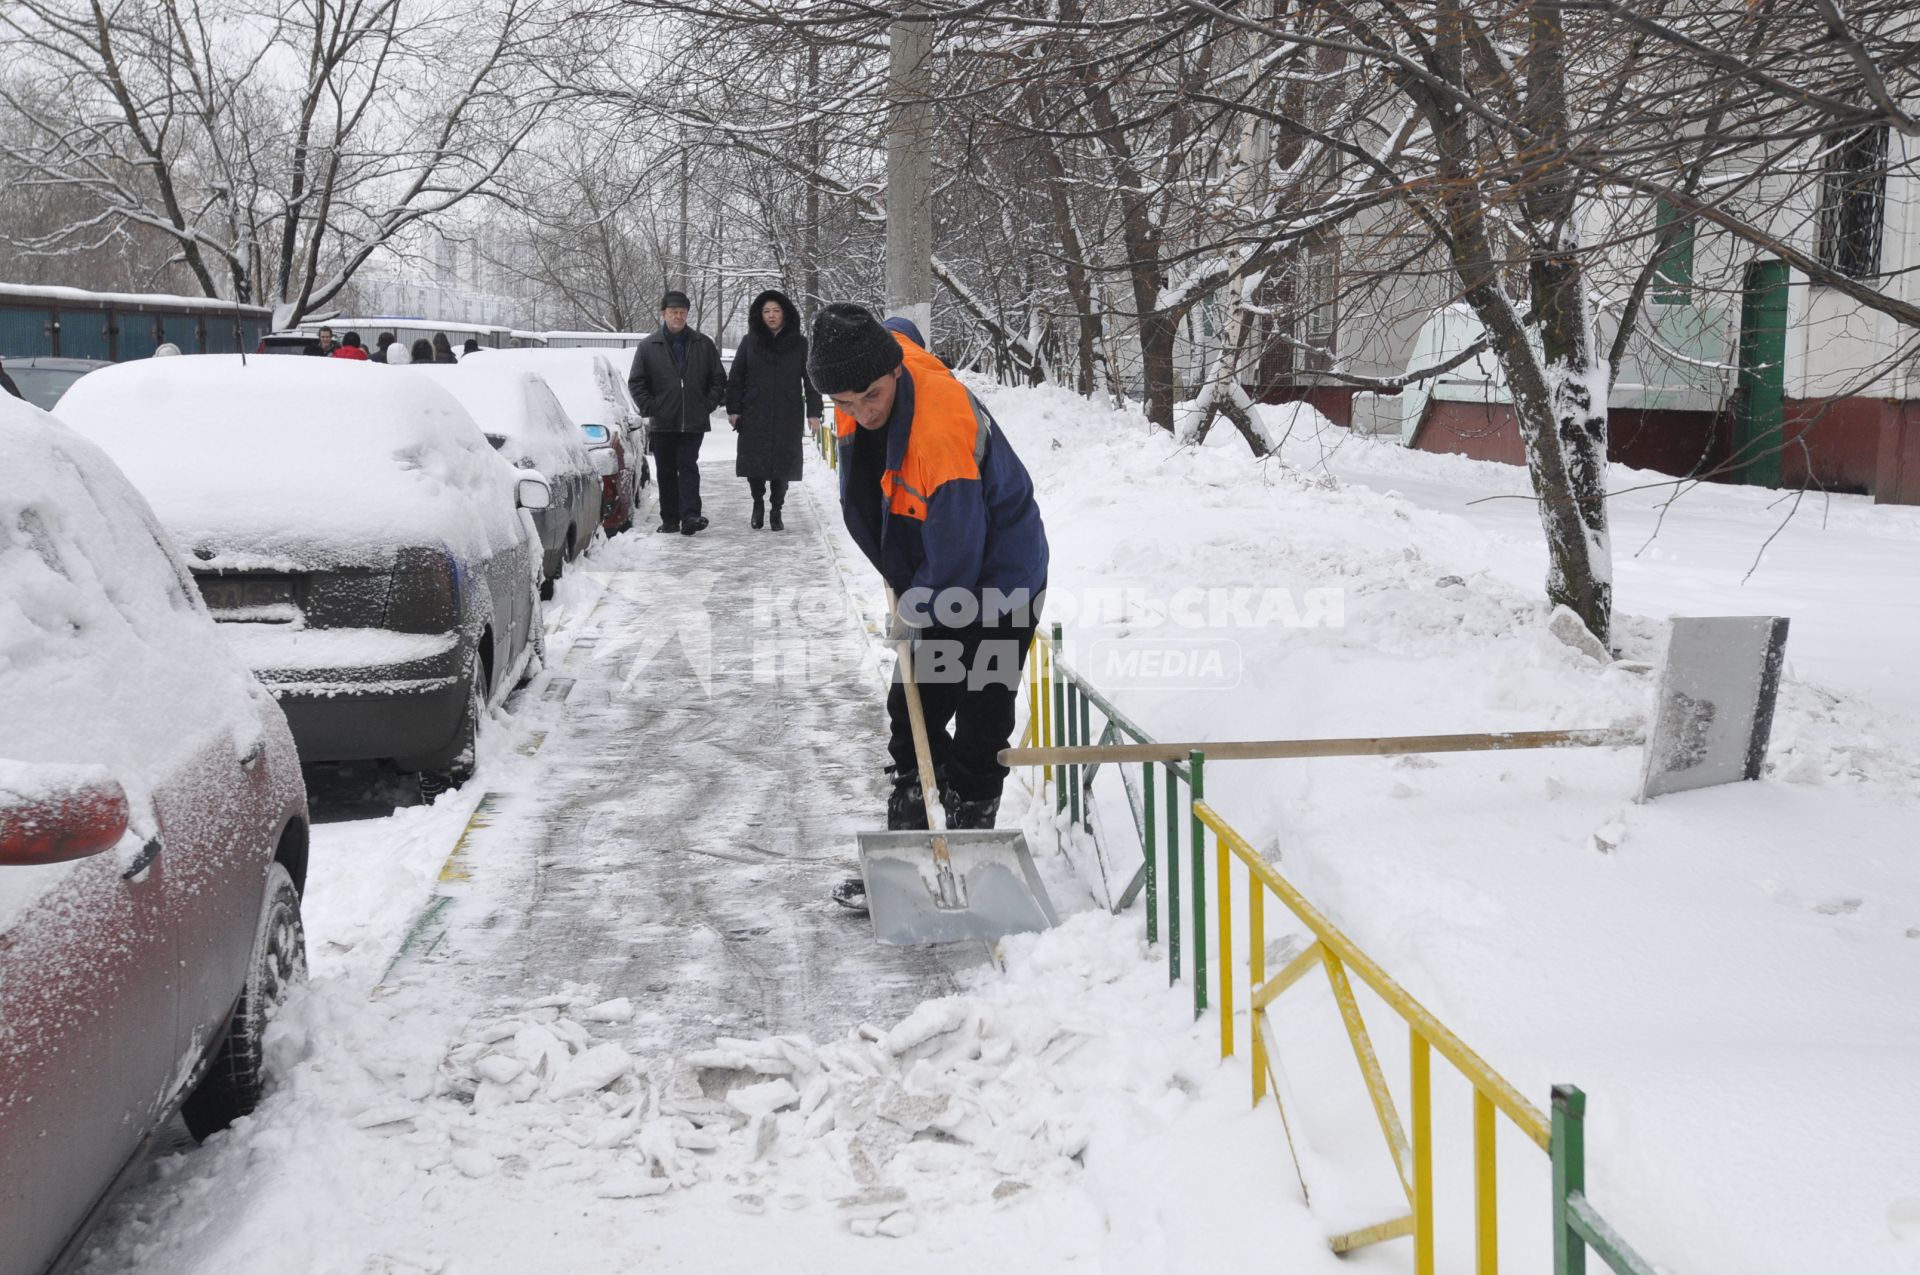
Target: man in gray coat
<point x="676" y="382"/>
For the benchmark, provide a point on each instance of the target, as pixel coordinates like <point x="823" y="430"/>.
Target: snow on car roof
<point x="107" y="658"/>
<point x="277" y="463"/>
<point x="518" y="404"/>
<point x="584" y="380"/>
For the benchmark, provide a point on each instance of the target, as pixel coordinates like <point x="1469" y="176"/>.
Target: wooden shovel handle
<point x="922" y="750"/>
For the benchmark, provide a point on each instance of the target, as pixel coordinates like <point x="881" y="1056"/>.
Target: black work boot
<point x="688" y="526"/>
<point x="906" y="806"/>
<point x="760" y="515"/>
<point x="962" y="813"/>
<point x="773" y="519"/>
<point x="670" y="527"/>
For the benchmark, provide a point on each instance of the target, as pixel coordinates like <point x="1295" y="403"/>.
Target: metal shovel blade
<point x="998" y="882"/>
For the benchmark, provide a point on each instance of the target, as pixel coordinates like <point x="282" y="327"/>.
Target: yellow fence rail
<point x="1059" y="704"/>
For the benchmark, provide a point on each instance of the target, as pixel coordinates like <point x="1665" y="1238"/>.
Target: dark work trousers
<point x="679" y="457"/>
<point x="758" y="486"/>
<point x="969" y="680"/>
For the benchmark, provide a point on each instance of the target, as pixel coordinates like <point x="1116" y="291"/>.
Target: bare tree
<point x="277" y="145"/>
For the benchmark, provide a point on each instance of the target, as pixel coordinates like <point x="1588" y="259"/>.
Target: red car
<point x="616" y="477"/>
<point x="153" y="844"/>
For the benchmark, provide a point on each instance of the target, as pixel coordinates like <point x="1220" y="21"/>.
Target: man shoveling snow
<point x="934" y="495"/>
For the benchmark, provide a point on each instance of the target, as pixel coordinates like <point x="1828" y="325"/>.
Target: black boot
<point x="760" y="515"/>
<point x="689" y="526"/>
<point x="671" y="528"/>
<point x="852" y="893"/>
<point x="962" y="813"/>
<point x="907" y="806"/>
<point x="773" y="519"/>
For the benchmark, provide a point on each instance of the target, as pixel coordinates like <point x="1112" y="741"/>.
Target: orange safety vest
<point x="945" y="439"/>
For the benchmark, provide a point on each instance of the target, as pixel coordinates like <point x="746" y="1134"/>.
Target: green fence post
<point x="1146" y="825"/>
<point x="1074" y="701"/>
<point x="1086" y="737"/>
<point x="1173" y="875"/>
<point x="1197" y="791"/>
<point x="1569" y="1150"/>
<point x="1059" y="721"/>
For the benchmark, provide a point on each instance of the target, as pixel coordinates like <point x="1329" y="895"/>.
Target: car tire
<point x="536" y="644"/>
<point x="233" y="1085"/>
<point x="466" y="759"/>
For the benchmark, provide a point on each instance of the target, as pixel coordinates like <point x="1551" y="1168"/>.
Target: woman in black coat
<point x="768" y="396"/>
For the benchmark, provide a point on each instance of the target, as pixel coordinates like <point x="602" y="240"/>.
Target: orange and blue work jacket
<point x="939" y="502"/>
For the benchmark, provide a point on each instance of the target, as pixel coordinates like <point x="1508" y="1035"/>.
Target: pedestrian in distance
<point x="398" y="355"/>
<point x="422" y="350"/>
<point x="381" y="345"/>
<point x="935" y="497"/>
<point x="676" y="382"/>
<point x="472" y="344"/>
<point x="443" y="349"/>
<point x="327" y="345"/>
<point x="768" y="394"/>
<point x="350" y="348"/>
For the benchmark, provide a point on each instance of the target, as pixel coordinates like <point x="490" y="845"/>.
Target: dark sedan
<point x="43" y="380"/>
<point x="353" y="532"/>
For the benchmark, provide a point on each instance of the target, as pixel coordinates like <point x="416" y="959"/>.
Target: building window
<point x="1673" y="272"/>
<point x="1322" y="310"/>
<point x="1853" y="195"/>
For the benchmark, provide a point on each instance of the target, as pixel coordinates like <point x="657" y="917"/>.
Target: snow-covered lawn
<point x="1730" y="974"/>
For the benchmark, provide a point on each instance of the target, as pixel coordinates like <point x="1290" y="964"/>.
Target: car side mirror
<point x="596" y="435"/>
<point x="61" y="819"/>
<point x="532" y="493"/>
<point x="604" y="463"/>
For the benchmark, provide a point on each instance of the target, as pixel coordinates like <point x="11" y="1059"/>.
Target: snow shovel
<point x="947" y="887"/>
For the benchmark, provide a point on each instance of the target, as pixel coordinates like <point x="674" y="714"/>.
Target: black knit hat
<point x="849" y="350"/>
<point x="675" y="300"/>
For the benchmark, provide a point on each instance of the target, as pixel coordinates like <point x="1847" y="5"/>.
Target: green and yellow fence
<point x="1060" y="711"/>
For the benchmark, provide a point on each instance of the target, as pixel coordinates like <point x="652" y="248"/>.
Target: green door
<point x="1760" y="405"/>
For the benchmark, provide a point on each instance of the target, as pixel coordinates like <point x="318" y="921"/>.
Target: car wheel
<point x="536" y="643"/>
<point x="233" y="1086"/>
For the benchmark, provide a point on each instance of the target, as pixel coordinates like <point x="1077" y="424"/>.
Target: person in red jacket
<point x="350" y="348"/>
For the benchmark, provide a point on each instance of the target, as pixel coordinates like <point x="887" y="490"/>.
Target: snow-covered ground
<point x="1729" y="974"/>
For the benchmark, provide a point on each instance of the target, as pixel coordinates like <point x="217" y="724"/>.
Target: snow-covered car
<point x="352" y="531"/>
<point x="520" y="416"/>
<point x="42" y="380"/>
<point x="594" y="392"/>
<point x="153" y="843"/>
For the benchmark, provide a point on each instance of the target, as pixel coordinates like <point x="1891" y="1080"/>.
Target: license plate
<point x="247" y="593"/>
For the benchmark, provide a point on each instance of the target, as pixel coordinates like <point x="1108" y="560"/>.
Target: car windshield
<point x="43" y="386"/>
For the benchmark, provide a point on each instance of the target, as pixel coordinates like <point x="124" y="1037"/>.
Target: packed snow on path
<point x="429" y="1125"/>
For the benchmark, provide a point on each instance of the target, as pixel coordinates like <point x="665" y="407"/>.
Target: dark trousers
<point x="969" y="680"/>
<point x="758" y="486"/>
<point x="679" y="471"/>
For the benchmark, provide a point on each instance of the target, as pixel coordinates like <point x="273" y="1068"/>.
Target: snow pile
<point x="417" y="1131"/>
<point x="1688" y="961"/>
<point x="283" y="463"/>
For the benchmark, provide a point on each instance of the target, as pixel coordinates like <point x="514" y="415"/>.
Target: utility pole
<point x="910" y="171"/>
<point x="810" y="235"/>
